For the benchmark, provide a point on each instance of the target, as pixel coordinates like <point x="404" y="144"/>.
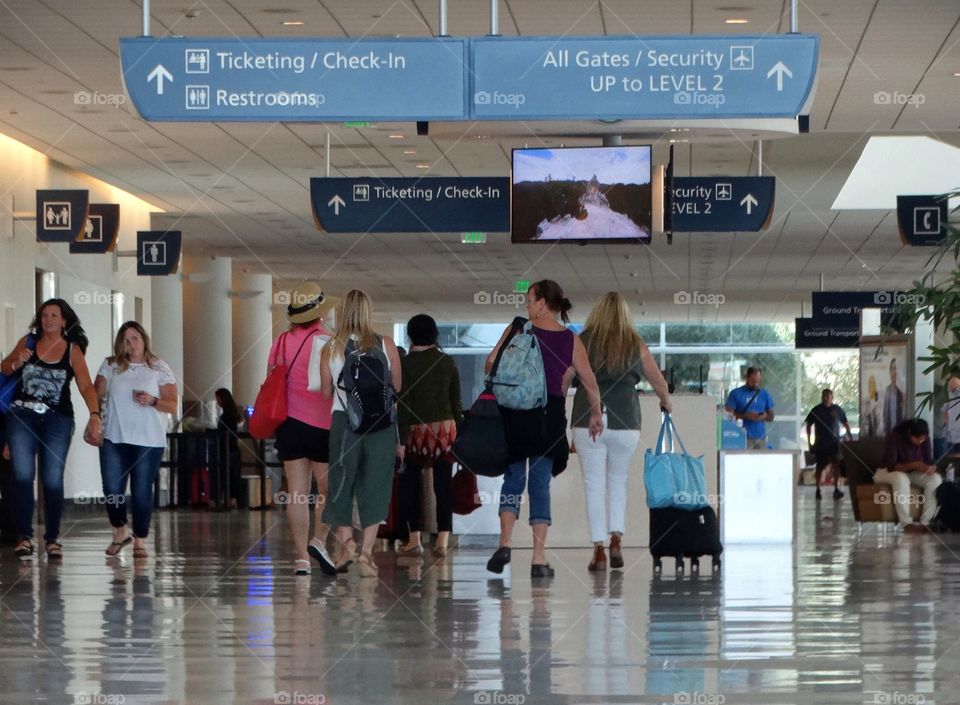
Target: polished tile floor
<point x="218" y="617"/>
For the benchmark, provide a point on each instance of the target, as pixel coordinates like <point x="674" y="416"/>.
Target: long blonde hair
<point x="611" y="340"/>
<point x="121" y="358"/>
<point x="354" y="318"/>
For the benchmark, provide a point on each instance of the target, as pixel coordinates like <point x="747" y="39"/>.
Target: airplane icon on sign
<point x="741" y="58"/>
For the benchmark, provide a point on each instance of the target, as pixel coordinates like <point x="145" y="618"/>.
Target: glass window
<point x="714" y="373"/>
<point x="831" y="369"/>
<point x="698" y="334"/>
<point x="762" y="334"/>
<point x="650" y="332"/>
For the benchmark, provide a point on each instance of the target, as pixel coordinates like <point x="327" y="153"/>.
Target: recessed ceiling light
<point x="396" y="137"/>
<point x="423" y="166"/>
<point x="736" y="20"/>
<point x="481" y="137"/>
<point x="293" y="23"/>
<point x="409" y="151"/>
<point x="957" y="74"/>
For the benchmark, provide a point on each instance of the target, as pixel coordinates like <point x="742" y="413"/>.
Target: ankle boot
<point x="616" y="557"/>
<point x="599" y="561"/>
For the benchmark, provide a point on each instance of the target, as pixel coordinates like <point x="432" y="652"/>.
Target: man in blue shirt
<point x="754" y="406"/>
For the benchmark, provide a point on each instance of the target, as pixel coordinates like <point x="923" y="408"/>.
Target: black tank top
<point x="47" y="383"/>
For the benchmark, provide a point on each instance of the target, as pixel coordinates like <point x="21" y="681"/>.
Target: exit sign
<point x="521" y="286"/>
<point x="476" y="238"/>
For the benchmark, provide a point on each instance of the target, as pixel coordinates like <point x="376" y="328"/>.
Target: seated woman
<point x="908" y="460"/>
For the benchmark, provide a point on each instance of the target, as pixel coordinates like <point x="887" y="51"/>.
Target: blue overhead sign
<point x="722" y="203"/>
<point x="409" y="205"/>
<point x="313" y="80"/>
<point x="158" y="252"/>
<point x="636" y="78"/>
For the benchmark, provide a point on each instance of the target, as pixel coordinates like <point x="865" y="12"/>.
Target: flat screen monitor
<point x="581" y="194"/>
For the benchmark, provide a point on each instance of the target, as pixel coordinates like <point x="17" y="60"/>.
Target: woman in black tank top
<point x="40" y="421"/>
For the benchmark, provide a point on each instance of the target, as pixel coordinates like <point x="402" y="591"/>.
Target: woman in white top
<point x="361" y="462"/>
<point x="136" y="388"/>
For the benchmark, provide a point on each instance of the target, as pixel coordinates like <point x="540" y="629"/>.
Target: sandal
<point x="116" y="546"/>
<point x="368" y="568"/>
<point x="301" y="566"/>
<point x="54" y="551"/>
<point x="24" y="549"/>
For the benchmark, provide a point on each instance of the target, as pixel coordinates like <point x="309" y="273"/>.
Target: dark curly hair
<point x="72" y="330"/>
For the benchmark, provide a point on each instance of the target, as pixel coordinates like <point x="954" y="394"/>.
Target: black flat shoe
<point x="319" y="553"/>
<point x="541" y="570"/>
<point x="837" y="494"/>
<point x="499" y="559"/>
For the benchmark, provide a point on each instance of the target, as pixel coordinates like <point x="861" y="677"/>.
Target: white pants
<point x="901" y="481"/>
<point x="605" y="464"/>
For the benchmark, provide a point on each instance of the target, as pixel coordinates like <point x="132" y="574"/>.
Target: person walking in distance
<point x="826" y="417"/>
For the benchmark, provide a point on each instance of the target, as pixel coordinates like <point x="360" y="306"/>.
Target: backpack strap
<point x="515" y="327"/>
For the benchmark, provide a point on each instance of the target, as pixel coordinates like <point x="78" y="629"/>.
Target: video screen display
<point x="581" y="194"/>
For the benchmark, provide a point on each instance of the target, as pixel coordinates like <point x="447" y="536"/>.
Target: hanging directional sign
<point x="649" y="77"/>
<point x="722" y="203"/>
<point x="101" y="231"/>
<point x="808" y="337"/>
<point x="312" y="80"/>
<point x="922" y="220"/>
<point x="411" y="205"/>
<point x="158" y="252"/>
<point x="61" y="214"/>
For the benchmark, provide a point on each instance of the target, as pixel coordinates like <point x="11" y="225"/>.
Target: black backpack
<point x="365" y="379"/>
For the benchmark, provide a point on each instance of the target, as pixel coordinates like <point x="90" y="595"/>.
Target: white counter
<point x="759" y="491"/>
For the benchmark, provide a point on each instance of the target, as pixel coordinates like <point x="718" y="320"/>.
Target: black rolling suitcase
<point x="684" y="533"/>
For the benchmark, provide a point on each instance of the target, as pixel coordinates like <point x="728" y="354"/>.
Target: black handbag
<point x="481" y="444"/>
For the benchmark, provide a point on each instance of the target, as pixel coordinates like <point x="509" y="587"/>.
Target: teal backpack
<point x="520" y="381"/>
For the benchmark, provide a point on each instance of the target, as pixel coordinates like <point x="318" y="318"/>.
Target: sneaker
<point x="616" y="557"/>
<point x="318" y="552"/>
<point x="499" y="559"/>
<point x="837" y="494"/>
<point x="599" y="561"/>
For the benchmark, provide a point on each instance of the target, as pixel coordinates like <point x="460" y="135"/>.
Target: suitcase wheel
<point x="680" y="565"/>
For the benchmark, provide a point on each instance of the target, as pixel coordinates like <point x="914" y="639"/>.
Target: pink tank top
<point x="309" y="407"/>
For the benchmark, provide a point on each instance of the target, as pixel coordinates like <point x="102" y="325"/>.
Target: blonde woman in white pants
<point x="619" y="359"/>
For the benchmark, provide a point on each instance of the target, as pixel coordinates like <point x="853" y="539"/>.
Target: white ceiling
<point x="242" y="190"/>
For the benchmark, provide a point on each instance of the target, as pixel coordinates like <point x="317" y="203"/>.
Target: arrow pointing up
<point x="336" y="202"/>
<point x="159" y="73"/>
<point x="780" y="69"/>
<point x="750" y="202"/>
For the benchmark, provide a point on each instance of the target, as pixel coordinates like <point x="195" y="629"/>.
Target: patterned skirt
<point x="431" y="441"/>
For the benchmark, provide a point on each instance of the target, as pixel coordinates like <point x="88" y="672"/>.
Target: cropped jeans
<point x="140" y="464"/>
<point x="538" y="488"/>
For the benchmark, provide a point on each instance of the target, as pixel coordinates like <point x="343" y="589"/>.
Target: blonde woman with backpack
<point x="620" y="359"/>
<point x="360" y="371"/>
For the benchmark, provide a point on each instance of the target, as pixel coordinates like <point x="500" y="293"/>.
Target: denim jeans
<point x="44" y="437"/>
<point x="140" y="464"/>
<point x="538" y="490"/>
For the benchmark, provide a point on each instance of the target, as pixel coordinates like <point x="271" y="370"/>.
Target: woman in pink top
<point x="303" y="440"/>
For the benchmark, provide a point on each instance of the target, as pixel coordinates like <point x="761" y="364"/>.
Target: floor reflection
<point x="216" y="616"/>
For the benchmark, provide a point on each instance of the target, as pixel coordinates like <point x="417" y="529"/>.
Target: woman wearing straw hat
<point x="303" y="439"/>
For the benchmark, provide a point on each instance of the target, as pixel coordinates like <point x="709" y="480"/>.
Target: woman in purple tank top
<point x="539" y="436"/>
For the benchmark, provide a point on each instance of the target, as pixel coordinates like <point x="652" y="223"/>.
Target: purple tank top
<point x="556" y="348"/>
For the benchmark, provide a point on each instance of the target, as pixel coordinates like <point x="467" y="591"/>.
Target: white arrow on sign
<point x="336" y="202"/>
<point x="159" y="73"/>
<point x="780" y="69"/>
<point x="750" y="202"/>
